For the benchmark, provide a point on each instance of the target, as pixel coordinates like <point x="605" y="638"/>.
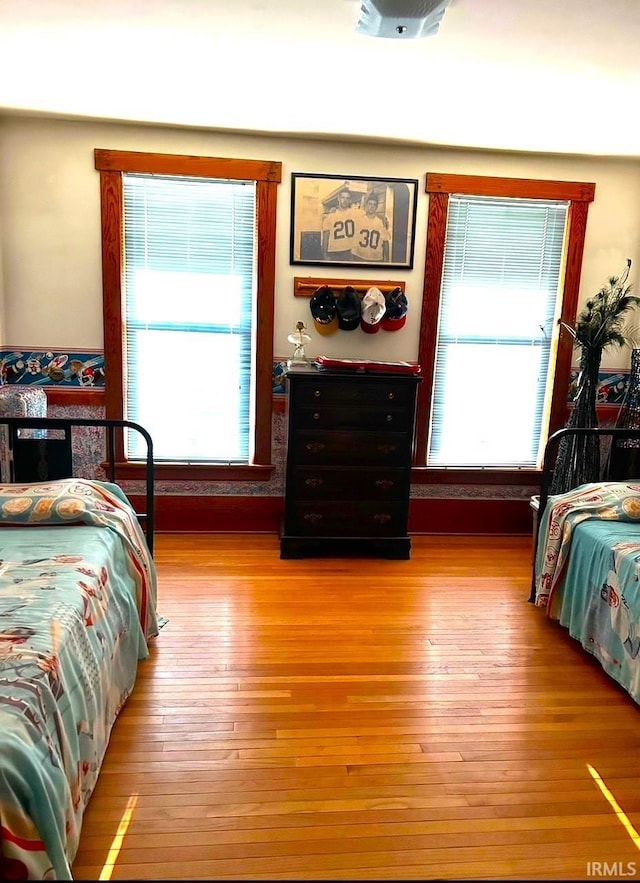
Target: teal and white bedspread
<point x="587" y="573"/>
<point x="77" y="607"/>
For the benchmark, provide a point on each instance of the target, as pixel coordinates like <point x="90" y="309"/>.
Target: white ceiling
<point x="534" y="75"/>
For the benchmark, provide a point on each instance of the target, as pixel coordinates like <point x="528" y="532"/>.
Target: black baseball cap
<point x="349" y="308"/>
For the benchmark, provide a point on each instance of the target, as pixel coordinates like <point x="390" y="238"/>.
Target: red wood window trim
<point x="440" y="187"/>
<point x="267" y="174"/>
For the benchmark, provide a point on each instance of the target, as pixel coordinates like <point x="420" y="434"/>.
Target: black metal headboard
<point x="41" y="456"/>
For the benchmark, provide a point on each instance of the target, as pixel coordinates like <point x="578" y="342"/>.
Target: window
<point x="188" y="302"/>
<point x="188" y="267"/>
<point x="503" y="258"/>
<point x="501" y="277"/>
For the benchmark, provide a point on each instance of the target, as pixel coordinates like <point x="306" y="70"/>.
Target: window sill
<point x="191" y="472"/>
<point x="489" y="476"/>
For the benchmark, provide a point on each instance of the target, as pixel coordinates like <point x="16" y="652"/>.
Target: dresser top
<point x="372" y="371"/>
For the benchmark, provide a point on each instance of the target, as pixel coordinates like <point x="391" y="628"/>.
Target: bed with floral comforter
<point x="77" y="608"/>
<point x="587" y="573"/>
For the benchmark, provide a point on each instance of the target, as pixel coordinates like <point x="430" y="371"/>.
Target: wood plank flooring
<point x="337" y="719"/>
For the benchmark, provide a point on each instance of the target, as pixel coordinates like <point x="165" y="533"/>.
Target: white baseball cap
<point x="373" y="309"/>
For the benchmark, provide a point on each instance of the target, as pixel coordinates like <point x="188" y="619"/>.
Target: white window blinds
<point x="189" y="256"/>
<point x="500" y="291"/>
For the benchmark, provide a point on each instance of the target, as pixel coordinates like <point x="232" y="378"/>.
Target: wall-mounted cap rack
<point x="306" y="286"/>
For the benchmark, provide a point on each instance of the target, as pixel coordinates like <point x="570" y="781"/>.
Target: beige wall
<point x="50" y="268"/>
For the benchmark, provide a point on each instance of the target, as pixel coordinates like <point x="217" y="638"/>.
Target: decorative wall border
<point x="612" y="386"/>
<point x="72" y="370"/>
<point x="33" y="367"/>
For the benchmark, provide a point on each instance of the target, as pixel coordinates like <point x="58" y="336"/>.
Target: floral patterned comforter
<point x="77" y="607"/>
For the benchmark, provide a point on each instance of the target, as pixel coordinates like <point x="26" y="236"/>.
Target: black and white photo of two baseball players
<point x="357" y="220"/>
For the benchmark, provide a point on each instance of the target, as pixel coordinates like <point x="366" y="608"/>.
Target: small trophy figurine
<point x="298" y="337"/>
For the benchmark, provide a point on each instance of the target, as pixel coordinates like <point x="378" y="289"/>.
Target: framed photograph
<point x="345" y="220"/>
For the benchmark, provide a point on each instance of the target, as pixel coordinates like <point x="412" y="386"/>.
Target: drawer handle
<point x="316" y="416"/>
<point x="317" y="393"/>
<point x="313" y="517"/>
<point x="391" y="395"/>
<point x="389" y="418"/>
<point x="313" y="482"/>
<point x="382" y="517"/>
<point x="315" y="447"/>
<point x="384" y="483"/>
<point x="387" y="449"/>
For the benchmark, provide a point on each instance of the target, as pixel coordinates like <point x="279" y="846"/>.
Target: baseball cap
<point x="373" y="307"/>
<point x="396" y="314"/>
<point x="324" y="311"/>
<point x="348" y="307"/>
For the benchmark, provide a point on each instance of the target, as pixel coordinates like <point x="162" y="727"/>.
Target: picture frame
<point x="352" y="220"/>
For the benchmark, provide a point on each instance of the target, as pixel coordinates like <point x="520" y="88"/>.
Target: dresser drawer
<point x="346" y="518"/>
<point x="359" y="449"/>
<point x="353" y="391"/>
<point x="355" y="417"/>
<point x="326" y="483"/>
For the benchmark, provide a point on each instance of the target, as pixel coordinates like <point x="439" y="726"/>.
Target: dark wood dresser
<point x="348" y="463"/>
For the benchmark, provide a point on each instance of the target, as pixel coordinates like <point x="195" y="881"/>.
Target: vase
<point x="578" y="458"/>
<point x="624" y="461"/>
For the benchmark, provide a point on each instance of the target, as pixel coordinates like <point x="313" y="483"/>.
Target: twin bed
<point x="78" y="593"/>
<point x="587" y="554"/>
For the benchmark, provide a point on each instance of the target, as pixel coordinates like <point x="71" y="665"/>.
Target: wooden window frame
<point x="440" y="187"/>
<point x="267" y="175"/>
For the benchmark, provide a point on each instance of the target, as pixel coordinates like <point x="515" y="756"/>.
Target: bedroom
<point x="52" y="272"/>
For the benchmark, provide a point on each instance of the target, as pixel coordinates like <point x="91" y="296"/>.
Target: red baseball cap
<point x="395" y="316"/>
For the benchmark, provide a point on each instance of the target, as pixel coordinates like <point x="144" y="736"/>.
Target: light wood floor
<point x="335" y="719"/>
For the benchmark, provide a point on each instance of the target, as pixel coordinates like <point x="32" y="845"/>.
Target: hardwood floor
<point x="336" y="719"/>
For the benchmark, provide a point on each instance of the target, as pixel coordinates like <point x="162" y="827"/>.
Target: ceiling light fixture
<point x="401" y="19"/>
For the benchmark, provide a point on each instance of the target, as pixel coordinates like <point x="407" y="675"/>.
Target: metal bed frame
<point x="39" y="457"/>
